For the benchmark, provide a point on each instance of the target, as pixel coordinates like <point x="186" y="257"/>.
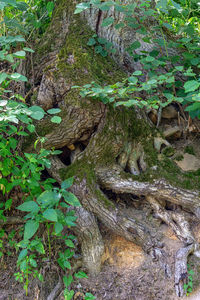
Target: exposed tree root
<point x="56" y="291"/>
<point x="181" y="274"/>
<point x="118" y="181"/>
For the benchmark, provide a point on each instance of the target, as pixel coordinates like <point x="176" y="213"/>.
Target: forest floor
<point x="127" y="272"/>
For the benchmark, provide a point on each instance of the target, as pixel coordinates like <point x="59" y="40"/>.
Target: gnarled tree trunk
<point x="110" y="152"/>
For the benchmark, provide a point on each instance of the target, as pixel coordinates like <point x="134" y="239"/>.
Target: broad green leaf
<point x="56" y="120"/>
<point x="67" y="280"/>
<point x="193" y="107"/>
<point x="3" y="76"/>
<point x="71" y="198"/>
<point x="89" y="296"/>
<point x="135" y="45"/>
<point x="50" y="6"/>
<point x="70" y="221"/>
<point x="23" y="253"/>
<point x="91" y="42"/>
<point x="106" y="22"/>
<point x="69" y="243"/>
<point x="67" y="183"/>
<point x="18" y="77"/>
<point x="30" y="206"/>
<point x="133" y="80"/>
<point x="53" y="111"/>
<point x="58" y="228"/>
<point x="136" y="73"/>
<point x="81" y="7"/>
<point x="37" y="113"/>
<point x="191" y="85"/>
<point x="80" y="274"/>
<point x="50" y="214"/>
<point x="31" y="228"/>
<point x="31" y="128"/>
<point x="68" y="294"/>
<point x="28" y="49"/>
<point x="20" y="54"/>
<point x="47" y="198"/>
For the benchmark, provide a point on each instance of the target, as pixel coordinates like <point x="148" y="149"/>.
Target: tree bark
<point x="106" y="149"/>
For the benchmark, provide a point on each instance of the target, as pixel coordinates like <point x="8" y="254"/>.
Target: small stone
<point x="169" y="112"/>
<point x="189" y="162"/>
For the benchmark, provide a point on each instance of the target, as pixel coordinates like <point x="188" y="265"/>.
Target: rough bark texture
<point x="109" y="151"/>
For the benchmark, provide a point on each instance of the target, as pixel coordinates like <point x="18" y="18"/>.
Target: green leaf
<point x="91" y="42"/>
<point x="47" y="197"/>
<point x="30" y="206"/>
<point x="58" y="228"/>
<point x="28" y="49"/>
<point x="50" y="6"/>
<point x="37" y="113"/>
<point x="135" y="45"/>
<point x="31" y="228"/>
<point x="53" y="111"/>
<point x="50" y="214"/>
<point x="133" y="80"/>
<point x="20" y="54"/>
<point x="3" y="76"/>
<point x="136" y="73"/>
<point x="70" y="221"/>
<point x="81" y="7"/>
<point x="191" y="85"/>
<point x="8" y="203"/>
<point x="56" y="120"/>
<point x="31" y="128"/>
<point x="106" y="22"/>
<point x="80" y="274"/>
<point x="67" y="280"/>
<point x="89" y="296"/>
<point x="23" y="253"/>
<point x="68" y="294"/>
<point x="193" y="107"/>
<point x="67" y="183"/>
<point x="18" y="77"/>
<point x="71" y="199"/>
<point x="69" y="243"/>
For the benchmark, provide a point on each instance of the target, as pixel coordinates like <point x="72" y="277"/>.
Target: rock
<point x="189" y="162"/>
<point x="169" y="112"/>
<point x="173" y="132"/>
